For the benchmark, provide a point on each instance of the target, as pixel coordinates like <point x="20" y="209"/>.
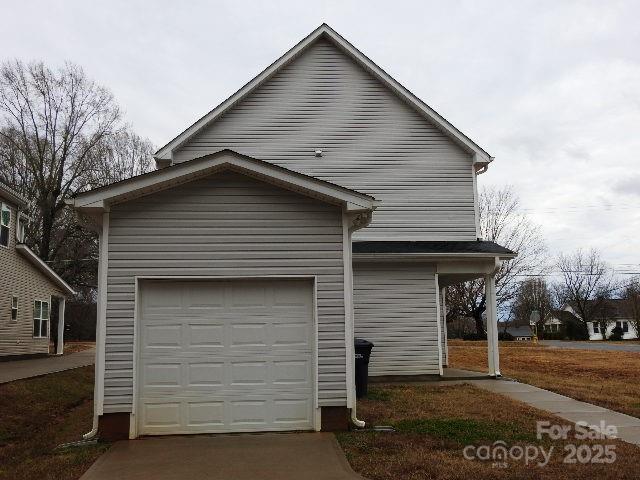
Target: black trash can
<point x="363" y="352"/>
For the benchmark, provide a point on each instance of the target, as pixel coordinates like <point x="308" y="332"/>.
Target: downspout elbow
<point x="354" y="419"/>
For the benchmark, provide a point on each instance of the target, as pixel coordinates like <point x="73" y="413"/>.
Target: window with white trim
<point x="624" y="326"/>
<point x="596" y="328"/>
<point x="5" y="220"/>
<point x="14" y="308"/>
<point x="40" y="319"/>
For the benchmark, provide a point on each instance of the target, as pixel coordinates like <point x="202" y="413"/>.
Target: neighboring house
<point x="320" y="202"/>
<point x="27" y="288"/>
<point x="521" y="334"/>
<point x="615" y="314"/>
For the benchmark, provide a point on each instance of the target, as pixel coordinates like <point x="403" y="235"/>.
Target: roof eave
<point x="100" y="199"/>
<point x="45" y="269"/>
<point x="433" y="256"/>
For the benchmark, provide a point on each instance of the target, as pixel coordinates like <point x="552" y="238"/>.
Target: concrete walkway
<point x="268" y="456"/>
<point x="617" y="347"/>
<point x="564" y="407"/>
<point x="19" y="369"/>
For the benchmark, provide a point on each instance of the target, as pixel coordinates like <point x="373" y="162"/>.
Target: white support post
<point x="492" y="325"/>
<point x="443" y="295"/>
<point x="439" y="326"/>
<point x="60" y="346"/>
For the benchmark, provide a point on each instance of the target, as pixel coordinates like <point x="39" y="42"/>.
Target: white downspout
<point x="349" y="318"/>
<point x="101" y="309"/>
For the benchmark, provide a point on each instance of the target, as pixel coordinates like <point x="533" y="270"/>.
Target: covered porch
<point x="453" y="262"/>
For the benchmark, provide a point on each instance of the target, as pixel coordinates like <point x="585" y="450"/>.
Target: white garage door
<point x="225" y="356"/>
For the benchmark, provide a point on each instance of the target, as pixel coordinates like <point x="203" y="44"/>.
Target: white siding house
<point x="28" y="287"/>
<point x="320" y="202"/>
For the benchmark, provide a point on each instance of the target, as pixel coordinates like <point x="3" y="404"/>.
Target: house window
<point x="596" y="328"/>
<point x="14" y="308"/>
<point x="624" y="326"/>
<point x="40" y="319"/>
<point x="5" y="219"/>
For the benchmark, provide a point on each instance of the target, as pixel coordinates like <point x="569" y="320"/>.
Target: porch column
<point x="492" y="325"/>
<point x="60" y="347"/>
<point x="445" y="339"/>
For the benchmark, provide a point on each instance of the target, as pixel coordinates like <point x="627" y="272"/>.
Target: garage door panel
<point x="162" y="375"/>
<point x="163" y="336"/>
<point x="249" y="334"/>
<point x="203" y="335"/>
<point x="165" y="415"/>
<point x="228" y="356"/>
<point x="205" y="414"/>
<point x="209" y="374"/>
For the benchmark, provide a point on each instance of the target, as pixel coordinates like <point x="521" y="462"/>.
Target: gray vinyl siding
<point x="395" y="308"/>
<point x="372" y="141"/>
<point x="20" y="278"/>
<point x="224" y="225"/>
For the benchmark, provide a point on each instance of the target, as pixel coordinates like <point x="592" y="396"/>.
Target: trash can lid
<point x="361" y="342"/>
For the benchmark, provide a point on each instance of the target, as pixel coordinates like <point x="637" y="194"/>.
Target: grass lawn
<point x="435" y="423"/>
<point x="610" y="379"/>
<point x="38" y="414"/>
<point x="74" y="347"/>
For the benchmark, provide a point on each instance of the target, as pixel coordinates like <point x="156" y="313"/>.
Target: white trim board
<point x="480" y="157"/>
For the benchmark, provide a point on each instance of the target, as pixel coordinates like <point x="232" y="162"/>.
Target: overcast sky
<point x="550" y="89"/>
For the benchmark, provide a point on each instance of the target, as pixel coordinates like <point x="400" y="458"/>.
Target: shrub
<point x="616" y="334"/>
<point x="505" y="336"/>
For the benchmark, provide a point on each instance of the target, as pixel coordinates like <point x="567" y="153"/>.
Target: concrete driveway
<point x="33" y="367"/>
<point x="268" y="456"/>
<point x="619" y="347"/>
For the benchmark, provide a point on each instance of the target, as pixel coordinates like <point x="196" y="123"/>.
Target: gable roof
<point x="45" y="269"/>
<point x="100" y="198"/>
<point x="480" y="157"/>
<point x="522" y="331"/>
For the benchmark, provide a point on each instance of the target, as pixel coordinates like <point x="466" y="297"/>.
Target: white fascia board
<point x="101" y="198"/>
<point x="388" y="257"/>
<point x="44" y="268"/>
<point x="481" y="157"/>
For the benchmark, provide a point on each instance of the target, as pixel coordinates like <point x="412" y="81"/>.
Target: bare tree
<point x="586" y="285"/>
<point x="631" y="303"/>
<point x="52" y="123"/>
<point x="501" y="221"/>
<point x="122" y="155"/>
<point x="533" y="295"/>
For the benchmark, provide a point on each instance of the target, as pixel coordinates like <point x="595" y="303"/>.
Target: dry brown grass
<point x="74" y="347"/>
<point x="438" y="421"/>
<point x="610" y="379"/>
<point x="38" y="414"/>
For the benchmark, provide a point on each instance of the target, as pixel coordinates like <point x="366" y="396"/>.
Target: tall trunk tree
<point x="501" y="221"/>
<point x="586" y="284"/>
<point x="53" y="123"/>
<point x="533" y="295"/>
